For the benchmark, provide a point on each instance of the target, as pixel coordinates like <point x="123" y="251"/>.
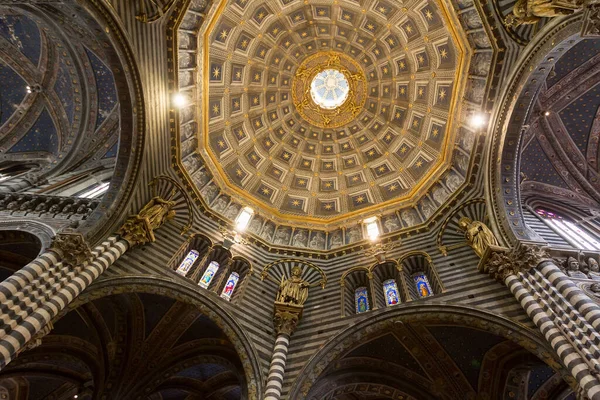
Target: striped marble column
<point x="34" y="295"/>
<point x="277" y="368"/>
<point x="526" y="271"/>
<point x="285" y="319"/>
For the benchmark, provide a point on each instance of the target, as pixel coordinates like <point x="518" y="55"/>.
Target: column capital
<point x="286" y="318"/>
<point x="71" y="247"/>
<point x="501" y="262"/>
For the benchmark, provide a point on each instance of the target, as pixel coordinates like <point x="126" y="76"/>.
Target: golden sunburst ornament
<point x="329" y="89"/>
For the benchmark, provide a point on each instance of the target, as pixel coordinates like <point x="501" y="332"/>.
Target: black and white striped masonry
<point x="566" y="317"/>
<point x="277" y="368"/>
<point x="35" y="294"/>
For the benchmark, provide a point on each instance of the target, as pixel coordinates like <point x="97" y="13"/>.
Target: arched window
<point x="230" y="286"/>
<point x="96" y="190"/>
<point x="422" y="285"/>
<point x="187" y="263"/>
<point x="569" y="231"/>
<point x="390" y="292"/>
<point x="361" y="300"/>
<point x="209" y="274"/>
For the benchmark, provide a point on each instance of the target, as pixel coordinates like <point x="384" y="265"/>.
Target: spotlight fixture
<point x="180" y="100"/>
<point x="478" y="120"/>
<point x="243" y="218"/>
<point x="547" y="113"/>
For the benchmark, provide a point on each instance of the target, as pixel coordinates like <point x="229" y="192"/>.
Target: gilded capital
<point x="72" y="248"/>
<point x="503" y="262"/>
<point x="286" y="319"/>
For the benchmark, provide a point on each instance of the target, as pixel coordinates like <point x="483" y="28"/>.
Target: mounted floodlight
<point x="180" y="100"/>
<point x="372" y="228"/>
<point x="547" y="113"/>
<point x="243" y="218"/>
<point x="478" y="120"/>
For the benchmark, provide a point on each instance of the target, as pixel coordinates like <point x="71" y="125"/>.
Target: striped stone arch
<point x="187" y="294"/>
<point x="43" y="232"/>
<point x="432" y="313"/>
<point x="515" y="107"/>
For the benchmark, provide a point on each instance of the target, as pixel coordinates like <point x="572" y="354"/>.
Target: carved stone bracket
<point x="286" y="318"/>
<point x="136" y="230"/>
<point x="72" y="248"/>
<point x="501" y="262"/>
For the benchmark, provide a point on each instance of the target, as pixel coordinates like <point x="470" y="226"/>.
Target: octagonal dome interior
<point x="254" y="136"/>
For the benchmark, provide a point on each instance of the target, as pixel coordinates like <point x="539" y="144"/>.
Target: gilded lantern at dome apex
<point x="304" y="101"/>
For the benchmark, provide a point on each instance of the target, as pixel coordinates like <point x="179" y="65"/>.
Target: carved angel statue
<point x="293" y="290"/>
<point x="531" y="11"/>
<point x="478" y="235"/>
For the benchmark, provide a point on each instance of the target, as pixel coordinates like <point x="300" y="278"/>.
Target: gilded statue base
<point x="286" y="317"/>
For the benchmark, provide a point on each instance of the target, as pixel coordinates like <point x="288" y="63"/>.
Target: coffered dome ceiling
<point x="320" y="114"/>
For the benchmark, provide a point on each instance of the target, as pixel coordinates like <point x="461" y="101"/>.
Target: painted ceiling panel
<point x="112" y="152"/>
<point x="537" y="378"/>
<point x="105" y="87"/>
<point x="573" y="58"/>
<point x="388" y="348"/>
<point x="467" y="347"/>
<point x="10" y="95"/>
<point x="579" y="116"/>
<point x="65" y="90"/>
<point x="23" y="33"/>
<point x="41" y="137"/>
<point x="536" y="165"/>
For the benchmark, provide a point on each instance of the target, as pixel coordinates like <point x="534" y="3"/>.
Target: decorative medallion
<point x="329" y="89"/>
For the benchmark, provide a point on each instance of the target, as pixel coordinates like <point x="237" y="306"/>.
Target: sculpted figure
<point x="54" y="209"/>
<point x="336" y="239"/>
<point x="594" y="272"/>
<point x="267" y="232"/>
<point x="282" y="236"/>
<point x="573" y="269"/>
<point x="531" y="11"/>
<point x="82" y="209"/>
<point x="595" y="288"/>
<point x="317" y="241"/>
<point x="42" y="207"/>
<point x="391" y="224"/>
<point x="293" y="290"/>
<point x="221" y="204"/>
<point x="353" y="235"/>
<point x="300" y="239"/>
<point x="158" y="211"/>
<point x="478" y="235"/>
<point x="409" y="217"/>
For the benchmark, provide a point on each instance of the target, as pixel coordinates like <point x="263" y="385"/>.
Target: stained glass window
<point x="361" y="300"/>
<point x="423" y="286"/>
<point x="187" y="263"/>
<point x="230" y="286"/>
<point x="569" y="231"/>
<point x="390" y="291"/>
<point x="209" y="274"/>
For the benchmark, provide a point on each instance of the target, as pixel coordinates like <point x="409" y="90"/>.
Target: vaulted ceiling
<point x="254" y="136"/>
<point x="73" y="96"/>
<point x="129" y="346"/>
<point x="562" y="141"/>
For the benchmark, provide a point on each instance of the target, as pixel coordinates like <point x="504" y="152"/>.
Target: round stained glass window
<point x="329" y="89"/>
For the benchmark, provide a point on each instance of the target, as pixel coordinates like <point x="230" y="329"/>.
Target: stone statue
<point x="54" y="208"/>
<point x="293" y="290"/>
<point x="573" y="269"/>
<point x="595" y="287"/>
<point x="526" y="12"/>
<point x="594" y="272"/>
<point x="478" y="235"/>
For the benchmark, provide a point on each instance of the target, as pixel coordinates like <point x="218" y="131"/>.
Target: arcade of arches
<point x="300" y="199"/>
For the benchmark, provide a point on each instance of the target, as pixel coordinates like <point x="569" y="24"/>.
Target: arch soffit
<point x="353" y="270"/>
<point x="516" y="102"/>
<point x="433" y="313"/>
<point x="169" y="288"/>
<point x="133" y="114"/>
<point x="244" y="260"/>
<point x="45" y="233"/>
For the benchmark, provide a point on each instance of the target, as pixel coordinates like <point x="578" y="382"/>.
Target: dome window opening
<point x="329" y="89"/>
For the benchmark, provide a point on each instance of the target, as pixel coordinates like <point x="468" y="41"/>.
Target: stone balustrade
<point x="45" y="206"/>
